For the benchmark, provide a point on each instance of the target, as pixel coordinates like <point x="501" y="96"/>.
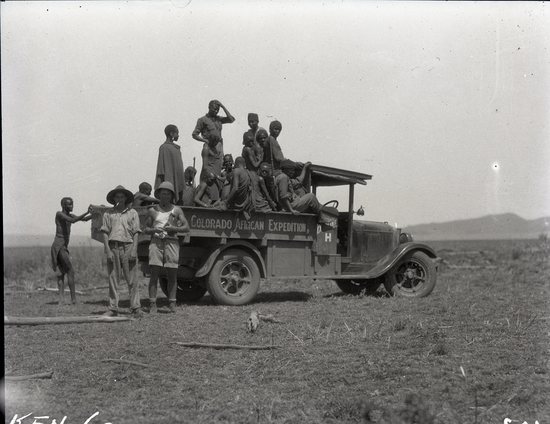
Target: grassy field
<point x="475" y="351"/>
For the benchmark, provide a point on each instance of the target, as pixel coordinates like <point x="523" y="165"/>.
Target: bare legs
<point x="172" y="285"/>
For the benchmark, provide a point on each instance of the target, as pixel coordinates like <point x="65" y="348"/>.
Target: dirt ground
<point x="475" y="351"/>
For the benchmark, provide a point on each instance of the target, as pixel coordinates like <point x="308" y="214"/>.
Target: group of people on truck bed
<point x="260" y="180"/>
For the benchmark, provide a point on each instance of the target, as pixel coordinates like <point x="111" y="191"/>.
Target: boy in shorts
<point x="165" y="220"/>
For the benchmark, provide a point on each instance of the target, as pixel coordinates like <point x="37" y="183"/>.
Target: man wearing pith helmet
<point x="163" y="223"/>
<point x="120" y="239"/>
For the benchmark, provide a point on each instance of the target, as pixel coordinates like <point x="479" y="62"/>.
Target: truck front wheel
<point x="234" y="278"/>
<point x="413" y="276"/>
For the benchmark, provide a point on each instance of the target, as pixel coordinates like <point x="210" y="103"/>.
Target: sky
<point x="447" y="105"/>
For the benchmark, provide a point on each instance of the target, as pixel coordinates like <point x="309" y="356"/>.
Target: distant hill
<point x="24" y="240"/>
<point x="491" y="227"/>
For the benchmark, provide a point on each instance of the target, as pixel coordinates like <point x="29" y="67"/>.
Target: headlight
<point x="405" y="238"/>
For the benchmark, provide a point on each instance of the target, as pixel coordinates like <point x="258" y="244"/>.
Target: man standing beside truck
<point x="61" y="261"/>
<point x="163" y="223"/>
<point x="120" y="230"/>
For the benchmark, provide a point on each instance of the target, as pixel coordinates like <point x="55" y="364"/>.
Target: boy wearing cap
<point x="163" y="223"/>
<point x="253" y="123"/>
<point x="120" y="238"/>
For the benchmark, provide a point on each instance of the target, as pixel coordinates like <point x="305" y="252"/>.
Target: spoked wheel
<point x="188" y="291"/>
<point x="412" y="276"/>
<point x="234" y="278"/>
<point x="368" y="287"/>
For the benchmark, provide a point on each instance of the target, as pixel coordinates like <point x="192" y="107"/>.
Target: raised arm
<point x="302" y="177"/>
<point x="71" y="218"/>
<point x="229" y="118"/>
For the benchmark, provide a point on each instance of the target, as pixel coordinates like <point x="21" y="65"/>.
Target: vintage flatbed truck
<point x="229" y="255"/>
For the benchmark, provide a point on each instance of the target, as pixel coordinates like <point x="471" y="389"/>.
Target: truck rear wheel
<point x="413" y="276"/>
<point x="234" y="278"/>
<point x="368" y="286"/>
<point x="188" y="291"/>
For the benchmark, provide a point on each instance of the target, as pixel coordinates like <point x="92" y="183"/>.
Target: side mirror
<point x="361" y="211"/>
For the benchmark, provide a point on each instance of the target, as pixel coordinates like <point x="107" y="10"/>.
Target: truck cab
<point x="228" y="255"/>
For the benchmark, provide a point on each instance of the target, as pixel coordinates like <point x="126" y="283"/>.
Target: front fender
<point x="388" y="261"/>
<point x="255" y="253"/>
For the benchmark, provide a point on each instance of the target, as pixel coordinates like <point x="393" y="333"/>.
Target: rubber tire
<point x="420" y="259"/>
<point x="213" y="282"/>
<point x="356" y="287"/>
<point x="186" y="292"/>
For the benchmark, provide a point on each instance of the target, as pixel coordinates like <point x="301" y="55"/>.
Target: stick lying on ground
<point x="47" y="374"/>
<point x="470" y="266"/>
<point x="123" y="361"/>
<point x="95" y="288"/>
<point x="51" y="289"/>
<point x="60" y="320"/>
<point x="225" y="346"/>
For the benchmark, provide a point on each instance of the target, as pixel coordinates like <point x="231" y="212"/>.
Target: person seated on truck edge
<point x="272" y="150"/>
<point x="263" y="200"/>
<point x="169" y="163"/>
<point x="253" y="153"/>
<point x="61" y="261"/>
<point x="202" y="195"/>
<point x="289" y="201"/>
<point x="143" y="196"/>
<point x="240" y="196"/>
<point x="188" y="198"/>
<point x="300" y="184"/>
<point x="212" y="158"/>
<point x="265" y="174"/>
<point x="211" y="123"/>
<point x="253" y="122"/>
<point x="226" y="175"/>
<point x="120" y="230"/>
<point x="163" y="223"/>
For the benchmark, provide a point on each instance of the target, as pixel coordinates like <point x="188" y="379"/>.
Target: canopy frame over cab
<point x="325" y="176"/>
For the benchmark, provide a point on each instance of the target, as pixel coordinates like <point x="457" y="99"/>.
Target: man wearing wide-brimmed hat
<point x="163" y="223"/>
<point x="120" y="237"/>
